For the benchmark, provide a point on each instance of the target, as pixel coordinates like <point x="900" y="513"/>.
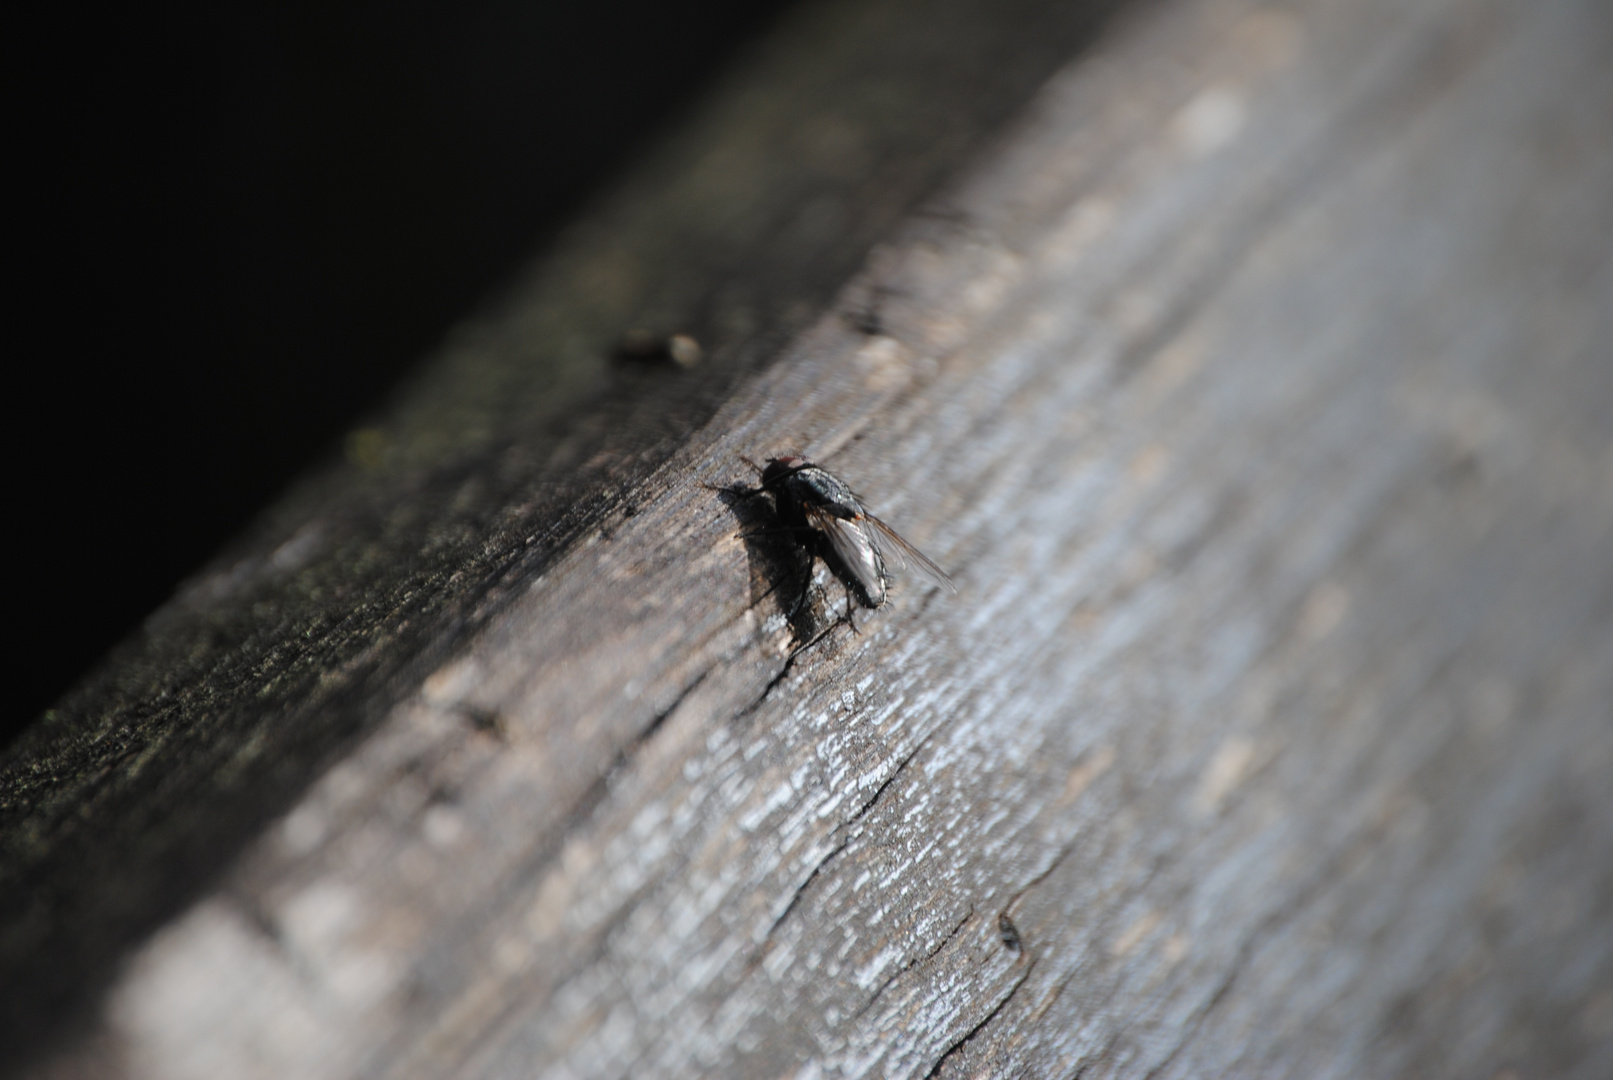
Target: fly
<point x="832" y="523"/>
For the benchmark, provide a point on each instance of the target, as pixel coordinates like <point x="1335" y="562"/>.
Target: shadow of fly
<point x="827" y="520"/>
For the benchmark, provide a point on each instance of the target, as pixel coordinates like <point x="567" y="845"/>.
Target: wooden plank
<point x="1255" y="390"/>
<point x="522" y="440"/>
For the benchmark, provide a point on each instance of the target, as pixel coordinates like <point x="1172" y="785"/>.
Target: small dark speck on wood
<point x="1009" y="934"/>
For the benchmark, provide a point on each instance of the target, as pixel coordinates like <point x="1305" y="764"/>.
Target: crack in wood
<point x="783" y="673"/>
<point x="917" y="961"/>
<point x="800" y="890"/>
<point x="844" y="827"/>
<point x="590" y="800"/>
<point x="963" y="1043"/>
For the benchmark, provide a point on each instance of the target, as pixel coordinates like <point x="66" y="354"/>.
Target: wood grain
<point x="523" y="439"/>
<point x="1255" y="389"/>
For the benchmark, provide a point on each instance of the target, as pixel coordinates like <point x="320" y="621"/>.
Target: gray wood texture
<point x="1255" y="386"/>
<point x="522" y="440"/>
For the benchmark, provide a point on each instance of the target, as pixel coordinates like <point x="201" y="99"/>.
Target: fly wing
<point x="855" y="547"/>
<point x="904" y="554"/>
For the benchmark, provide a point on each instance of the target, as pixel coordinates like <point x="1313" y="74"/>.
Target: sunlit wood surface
<point x="1253" y="383"/>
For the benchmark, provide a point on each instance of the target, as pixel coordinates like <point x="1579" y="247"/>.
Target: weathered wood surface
<point x="523" y="439"/>
<point x="1256" y="390"/>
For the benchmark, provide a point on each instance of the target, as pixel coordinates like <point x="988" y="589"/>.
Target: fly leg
<point x="800" y="601"/>
<point x="738" y="493"/>
<point x="775" y="530"/>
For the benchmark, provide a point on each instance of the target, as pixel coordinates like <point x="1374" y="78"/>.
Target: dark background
<point x="245" y="222"/>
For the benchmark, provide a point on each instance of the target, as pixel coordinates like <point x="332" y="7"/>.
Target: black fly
<point x="831" y="522"/>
